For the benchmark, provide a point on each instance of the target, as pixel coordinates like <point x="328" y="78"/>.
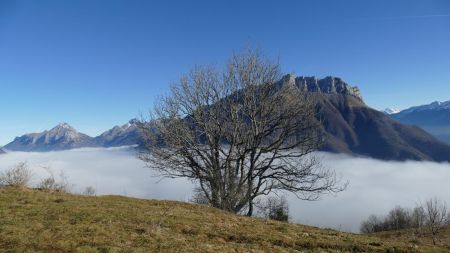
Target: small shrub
<point x="275" y="208"/>
<point x="397" y="219"/>
<point x="52" y="184"/>
<point x="89" y="191"/>
<point x="432" y="217"/>
<point x="59" y="200"/>
<point x="18" y="176"/>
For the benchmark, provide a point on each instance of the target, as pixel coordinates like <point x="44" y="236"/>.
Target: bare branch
<point x="239" y="133"/>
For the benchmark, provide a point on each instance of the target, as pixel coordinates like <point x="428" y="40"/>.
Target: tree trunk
<point x="250" y="208"/>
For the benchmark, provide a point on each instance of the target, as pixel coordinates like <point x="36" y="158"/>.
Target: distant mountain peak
<point x="131" y="123"/>
<point x="390" y="111"/>
<point x="125" y="135"/>
<point x="63" y="136"/>
<point x="436" y="105"/>
<point x="328" y="85"/>
<point x="63" y="127"/>
<point x="433" y="117"/>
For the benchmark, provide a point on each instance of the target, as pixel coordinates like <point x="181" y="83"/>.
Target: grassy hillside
<point x="38" y="221"/>
<point x="424" y="238"/>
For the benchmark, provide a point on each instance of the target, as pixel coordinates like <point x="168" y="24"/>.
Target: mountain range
<point x="349" y="125"/>
<point x="433" y="117"/>
<point x="64" y="136"/>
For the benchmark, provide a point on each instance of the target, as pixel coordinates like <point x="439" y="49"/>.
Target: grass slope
<point x="38" y="221"/>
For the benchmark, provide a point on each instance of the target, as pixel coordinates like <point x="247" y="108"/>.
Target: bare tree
<point x="89" y="191"/>
<point x="371" y="225"/>
<point x="239" y="134"/>
<point x="399" y="218"/>
<point x="437" y="217"/>
<point x="418" y="219"/>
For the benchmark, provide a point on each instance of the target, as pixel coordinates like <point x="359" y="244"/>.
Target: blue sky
<point x="95" y="64"/>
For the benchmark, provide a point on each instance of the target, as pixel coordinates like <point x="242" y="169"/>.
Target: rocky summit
<point x="125" y="135"/>
<point x="62" y="136"/>
<point x="327" y="85"/>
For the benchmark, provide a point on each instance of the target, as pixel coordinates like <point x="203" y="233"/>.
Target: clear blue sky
<point x="95" y="64"/>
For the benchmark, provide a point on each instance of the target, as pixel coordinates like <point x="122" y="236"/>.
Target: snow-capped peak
<point x="391" y="110"/>
<point x="129" y="124"/>
<point x="62" y="127"/>
<point x="62" y="130"/>
<point x="436" y="105"/>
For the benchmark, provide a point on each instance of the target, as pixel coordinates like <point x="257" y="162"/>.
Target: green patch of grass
<point x="38" y="221"/>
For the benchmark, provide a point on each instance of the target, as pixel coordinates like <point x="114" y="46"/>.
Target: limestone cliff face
<point x="328" y="85"/>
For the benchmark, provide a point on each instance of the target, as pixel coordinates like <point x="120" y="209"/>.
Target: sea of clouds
<point x="374" y="187"/>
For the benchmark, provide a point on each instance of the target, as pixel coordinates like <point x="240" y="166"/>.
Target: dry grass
<point x="39" y="221"/>
<point x="422" y="237"/>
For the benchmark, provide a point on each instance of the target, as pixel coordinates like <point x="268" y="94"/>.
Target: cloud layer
<point x="375" y="186"/>
<point x="110" y="171"/>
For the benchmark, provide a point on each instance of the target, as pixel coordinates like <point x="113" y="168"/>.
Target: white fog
<point x="375" y="186"/>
